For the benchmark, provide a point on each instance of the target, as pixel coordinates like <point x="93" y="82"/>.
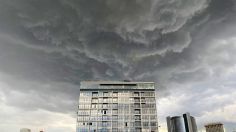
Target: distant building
<point x="185" y="123"/>
<point x="117" y="106"/>
<point x="214" y="127"/>
<point x="25" y="130"/>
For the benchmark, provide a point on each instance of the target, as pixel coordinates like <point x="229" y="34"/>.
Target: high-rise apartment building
<point x="108" y="106"/>
<point x="214" y="127"/>
<point x="185" y="123"/>
<point x="25" y="130"/>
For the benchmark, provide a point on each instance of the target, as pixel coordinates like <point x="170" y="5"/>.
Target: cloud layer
<point x="187" y="47"/>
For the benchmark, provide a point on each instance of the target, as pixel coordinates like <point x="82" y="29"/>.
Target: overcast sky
<point x="48" y="46"/>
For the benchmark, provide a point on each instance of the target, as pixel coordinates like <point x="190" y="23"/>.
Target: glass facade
<point x="185" y="123"/>
<point x="117" y="108"/>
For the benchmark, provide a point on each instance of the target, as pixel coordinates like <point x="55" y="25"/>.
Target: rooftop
<point x="116" y="84"/>
<point x="213" y="124"/>
<point x="113" y="82"/>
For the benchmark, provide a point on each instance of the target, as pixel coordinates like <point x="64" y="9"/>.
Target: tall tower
<point x="214" y="127"/>
<point x="185" y="123"/>
<point x="114" y="106"/>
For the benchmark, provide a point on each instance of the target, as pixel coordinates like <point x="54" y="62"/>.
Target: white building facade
<point x="106" y="106"/>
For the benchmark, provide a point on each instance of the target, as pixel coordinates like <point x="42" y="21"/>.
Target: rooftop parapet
<point x="116" y="85"/>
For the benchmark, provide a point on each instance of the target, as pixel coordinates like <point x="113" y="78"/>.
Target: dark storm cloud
<point x="110" y="34"/>
<point x="48" y="47"/>
<point x="78" y="40"/>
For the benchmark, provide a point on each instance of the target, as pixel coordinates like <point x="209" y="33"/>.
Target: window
<point x="120" y="117"/>
<point x="93" y="112"/>
<point x="100" y="94"/>
<point x="120" y="111"/>
<point x="154" y="129"/>
<point x="147" y="94"/>
<point x="145" y="124"/>
<point x="132" y="124"/>
<point x="150" y="100"/>
<point x="138" y="130"/>
<point x="84" y="100"/>
<point x="115" y="124"/>
<point x="83" y="118"/>
<point x="83" y="112"/>
<point x="131" y="100"/>
<point x="93" y="118"/>
<point x="121" y="124"/>
<point x="100" y="112"/>
<point x="81" y="106"/>
<point x="105" y="100"/>
<point x="103" y="130"/>
<point x="137" y="111"/>
<point x="80" y="124"/>
<point x="109" y="100"/>
<point x="136" y="100"/>
<point x="85" y="94"/>
<point x="115" y="117"/>
<point x="123" y="100"/>
<point x="99" y="117"/>
<point x="92" y="129"/>
<point x="145" y="129"/>
<point x="123" y="106"/>
<point x="95" y="94"/>
<point x="136" y="105"/>
<point x="136" y="94"/>
<point x="153" y="123"/>
<point x="143" y="100"/>
<point x="84" y="106"/>
<point x="153" y="117"/>
<point x="145" y="111"/>
<point x="99" y="106"/>
<point x="109" y="105"/>
<point x="137" y="123"/>
<point x="114" y="106"/>
<point x="87" y="106"/>
<point x="114" y="129"/>
<point x="114" y="100"/>
<point x="105" y="94"/>
<point x="115" y="94"/>
<point x="94" y="100"/>
<point x="105" y="106"/>
<point x="152" y="111"/>
<point x="152" y="105"/>
<point x="104" y="112"/>
<point x="83" y="130"/>
<point x="126" y="117"/>
<point x="137" y="117"/>
<point x="115" y="111"/>
<point x="145" y="117"/>
<point x="80" y="118"/>
<point x="104" y="124"/>
<point x="94" y="106"/>
<point x="104" y="117"/>
<point x="109" y="112"/>
<point x="100" y="100"/>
